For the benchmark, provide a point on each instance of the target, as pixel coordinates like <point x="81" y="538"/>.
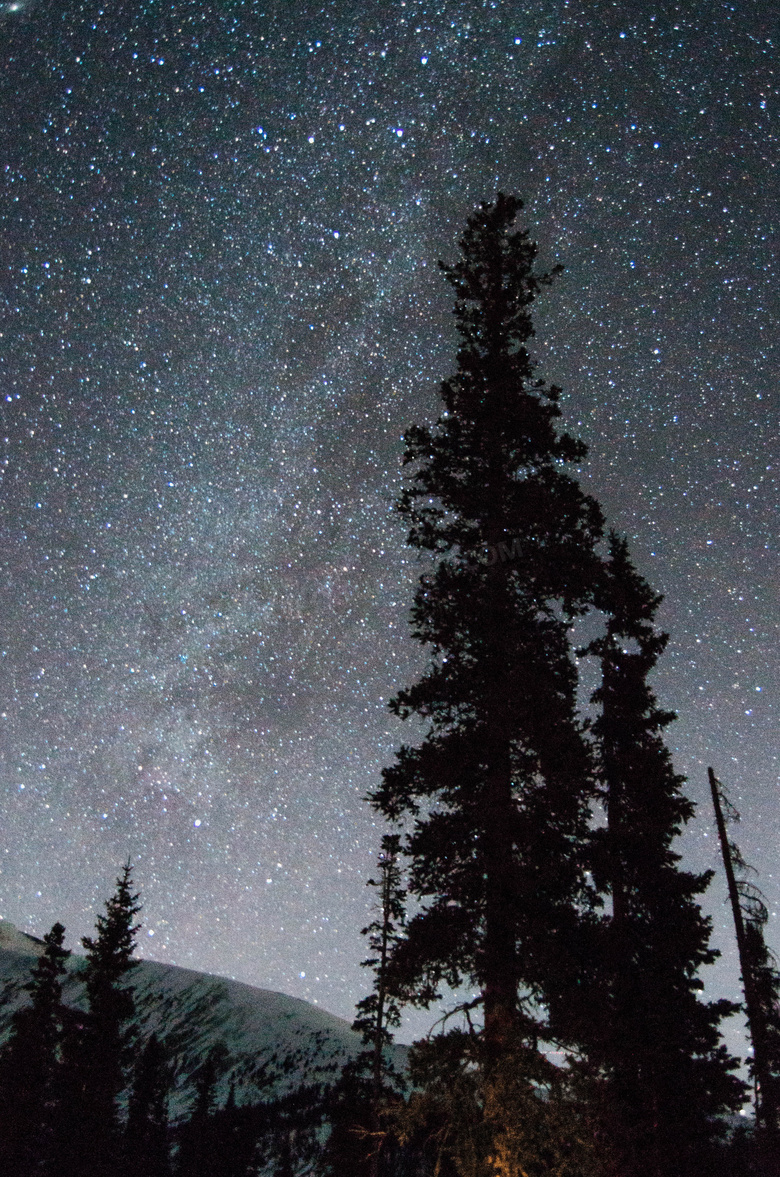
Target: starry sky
<point x="219" y="310"/>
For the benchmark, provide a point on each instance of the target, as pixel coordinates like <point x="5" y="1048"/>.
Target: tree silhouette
<point x="197" y="1136"/>
<point x="146" y="1137"/>
<point x="509" y="875"/>
<point x="356" y="1139"/>
<point x="499" y="789"/>
<point x="380" y="1011"/>
<point x="29" y="1067"/>
<point x="668" y="1077"/>
<point x="760" y="982"/>
<point x="101" y="1053"/>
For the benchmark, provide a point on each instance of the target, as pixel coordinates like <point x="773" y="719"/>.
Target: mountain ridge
<point x="264" y="1044"/>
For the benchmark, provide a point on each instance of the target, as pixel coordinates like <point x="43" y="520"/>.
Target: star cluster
<point x="220" y="310"/>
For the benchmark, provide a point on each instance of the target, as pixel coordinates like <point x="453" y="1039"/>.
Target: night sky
<point x="220" y="309"/>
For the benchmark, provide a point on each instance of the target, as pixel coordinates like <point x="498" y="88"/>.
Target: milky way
<point x="220" y="310"/>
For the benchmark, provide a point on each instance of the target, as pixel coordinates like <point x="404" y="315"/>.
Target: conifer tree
<point x="72" y="1143"/>
<point x="504" y="862"/>
<point x="499" y="790"/>
<point x="146" y="1138"/>
<point x="766" y="988"/>
<point x="352" y="1142"/>
<point x="667" y="1075"/>
<point x="236" y="1138"/>
<point x="101" y="1054"/>
<point x="380" y="1011"/>
<point x="29" y="1067"/>
<point x="197" y="1138"/>
<point x="356" y="1138"/>
<point x="760" y="983"/>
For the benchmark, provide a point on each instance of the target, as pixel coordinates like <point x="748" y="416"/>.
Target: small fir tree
<point x="766" y="986"/>
<point x="197" y="1136"/>
<point x="29" y="1068"/>
<point x="356" y="1138"/>
<point x="101" y="1054"/>
<point x="72" y="1144"/>
<point x="380" y="1011"/>
<point x="668" y="1077"/>
<point x="760" y="982"/>
<point x="146" y="1137"/>
<point x="353" y="1135"/>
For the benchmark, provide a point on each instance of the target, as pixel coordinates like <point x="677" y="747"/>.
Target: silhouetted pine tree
<point x="356" y="1140"/>
<point x="667" y="1075"/>
<point x="236" y="1139"/>
<point x="766" y="986"/>
<point x="146" y="1138"/>
<point x="29" y="1067"/>
<point x="101" y="1053"/>
<point x="352" y="1126"/>
<point x="380" y="1011"/>
<point x="500" y="787"/>
<point x="760" y="982"/>
<point x="72" y="1146"/>
<point x="197" y="1136"/>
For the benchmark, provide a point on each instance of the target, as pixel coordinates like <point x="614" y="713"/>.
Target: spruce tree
<point x="765" y="974"/>
<point x="504" y="861"/>
<point x="29" y="1067"/>
<point x="499" y="789"/>
<point x="655" y="1040"/>
<point x="356" y="1138"/>
<point x="380" y="1011"/>
<point x="760" y="983"/>
<point x="196" y="1151"/>
<point x="146" y="1138"/>
<point x="101" y="1053"/>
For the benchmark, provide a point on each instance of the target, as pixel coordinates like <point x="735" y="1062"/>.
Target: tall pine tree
<point x="101" y="1047"/>
<point x="380" y="1012"/>
<point x="357" y="1139"/>
<point x="760" y="984"/>
<point x="667" y="1077"/>
<point x="500" y="792"/>
<point x="30" y="1065"/>
<point x="500" y="787"/>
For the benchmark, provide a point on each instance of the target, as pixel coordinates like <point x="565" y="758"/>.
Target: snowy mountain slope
<point x="266" y="1043"/>
<point x="15" y="941"/>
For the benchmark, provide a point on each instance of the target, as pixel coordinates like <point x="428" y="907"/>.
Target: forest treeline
<point x="530" y="834"/>
<point x="82" y="1095"/>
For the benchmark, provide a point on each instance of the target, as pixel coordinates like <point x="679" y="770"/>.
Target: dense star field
<point x="220" y="310"/>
